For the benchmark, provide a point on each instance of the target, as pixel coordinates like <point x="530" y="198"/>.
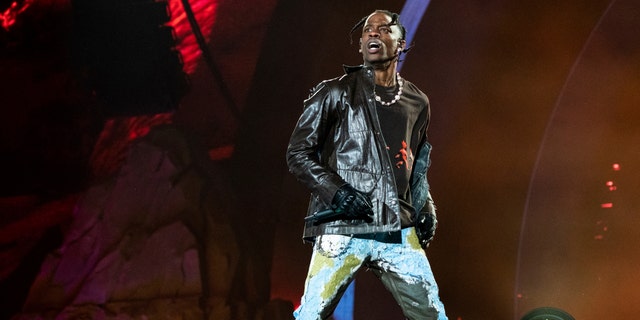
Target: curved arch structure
<point x="580" y="226"/>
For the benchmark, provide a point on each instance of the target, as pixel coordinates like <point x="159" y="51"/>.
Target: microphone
<point x="323" y="216"/>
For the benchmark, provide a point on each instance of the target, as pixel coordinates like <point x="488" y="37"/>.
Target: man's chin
<point x="378" y="63"/>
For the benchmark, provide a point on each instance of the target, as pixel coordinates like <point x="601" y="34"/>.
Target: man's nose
<point x="374" y="34"/>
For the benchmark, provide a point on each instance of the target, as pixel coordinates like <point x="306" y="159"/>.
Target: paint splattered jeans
<point x="402" y="267"/>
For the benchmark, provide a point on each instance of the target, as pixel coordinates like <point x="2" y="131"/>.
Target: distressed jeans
<point x="401" y="265"/>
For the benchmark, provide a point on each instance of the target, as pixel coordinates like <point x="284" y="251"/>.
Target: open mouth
<point x="374" y="46"/>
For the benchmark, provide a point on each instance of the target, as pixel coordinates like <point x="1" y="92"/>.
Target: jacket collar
<point x="350" y="69"/>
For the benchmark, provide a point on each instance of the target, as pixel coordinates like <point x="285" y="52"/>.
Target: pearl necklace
<point x="396" y="97"/>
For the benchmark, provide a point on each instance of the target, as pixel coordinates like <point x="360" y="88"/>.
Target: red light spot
<point x="8" y="17"/>
<point x="606" y="205"/>
<point x="220" y="153"/>
<point x="616" y="167"/>
<point x="205" y="11"/>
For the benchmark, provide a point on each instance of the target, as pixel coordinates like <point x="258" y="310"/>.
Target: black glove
<point x="353" y="204"/>
<point x="426" y="224"/>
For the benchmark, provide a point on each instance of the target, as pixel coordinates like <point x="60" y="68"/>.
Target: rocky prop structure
<point x="110" y="209"/>
<point x="154" y="241"/>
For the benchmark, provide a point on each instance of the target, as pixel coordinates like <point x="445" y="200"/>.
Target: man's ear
<point x="401" y="45"/>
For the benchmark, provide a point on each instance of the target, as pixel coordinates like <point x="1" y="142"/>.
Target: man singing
<point x="361" y="148"/>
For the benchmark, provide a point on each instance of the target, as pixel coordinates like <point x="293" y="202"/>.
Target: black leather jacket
<point x="337" y="140"/>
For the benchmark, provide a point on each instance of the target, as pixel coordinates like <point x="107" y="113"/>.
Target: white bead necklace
<point x="396" y="97"/>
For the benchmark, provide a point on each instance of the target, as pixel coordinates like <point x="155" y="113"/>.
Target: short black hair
<point x="395" y="20"/>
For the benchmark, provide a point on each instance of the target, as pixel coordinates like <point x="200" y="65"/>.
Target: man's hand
<point x="426" y="224"/>
<point x="354" y="204"/>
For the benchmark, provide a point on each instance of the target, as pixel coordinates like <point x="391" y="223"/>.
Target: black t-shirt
<point x="401" y="124"/>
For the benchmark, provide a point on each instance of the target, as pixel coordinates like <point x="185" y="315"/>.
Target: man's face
<point x="380" y="42"/>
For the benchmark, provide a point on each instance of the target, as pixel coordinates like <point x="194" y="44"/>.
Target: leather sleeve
<point x="306" y="144"/>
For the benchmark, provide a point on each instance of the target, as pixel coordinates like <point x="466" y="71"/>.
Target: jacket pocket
<point x="361" y="179"/>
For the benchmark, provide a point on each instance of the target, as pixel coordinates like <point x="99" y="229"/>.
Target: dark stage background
<point x="535" y="167"/>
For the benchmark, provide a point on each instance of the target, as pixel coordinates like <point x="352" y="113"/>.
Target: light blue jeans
<point x="401" y="265"/>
